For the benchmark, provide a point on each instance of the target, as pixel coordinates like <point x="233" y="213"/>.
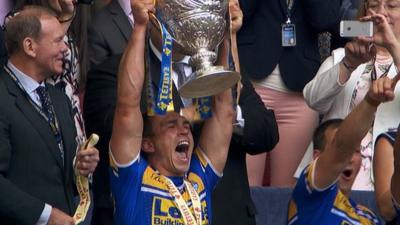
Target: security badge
<point x="288" y="34"/>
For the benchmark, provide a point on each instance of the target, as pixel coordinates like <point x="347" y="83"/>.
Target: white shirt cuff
<point x="239" y="125"/>
<point x="45" y="216"/>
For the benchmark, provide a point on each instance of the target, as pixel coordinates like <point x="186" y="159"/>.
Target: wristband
<point x="349" y="68"/>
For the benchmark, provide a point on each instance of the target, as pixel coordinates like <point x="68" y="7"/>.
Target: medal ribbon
<point x="187" y="215"/>
<point x="82" y="185"/>
<point x="180" y="202"/>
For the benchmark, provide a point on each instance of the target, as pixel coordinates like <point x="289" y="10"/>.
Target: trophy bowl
<point x="198" y="26"/>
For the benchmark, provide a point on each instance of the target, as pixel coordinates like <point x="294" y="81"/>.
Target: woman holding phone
<point x="345" y="77"/>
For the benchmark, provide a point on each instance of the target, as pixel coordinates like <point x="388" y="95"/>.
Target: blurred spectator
<point x="280" y="73"/>
<point x="110" y="30"/>
<point x="395" y="184"/>
<point x="344" y="79"/>
<point x="383" y="168"/>
<point x="5" y="7"/>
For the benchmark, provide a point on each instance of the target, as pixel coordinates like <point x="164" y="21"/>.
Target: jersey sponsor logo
<point x="165" y="212"/>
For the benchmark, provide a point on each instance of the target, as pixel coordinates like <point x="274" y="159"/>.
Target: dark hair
<point x="319" y="134"/>
<point x="25" y="24"/>
<point x="147" y="126"/>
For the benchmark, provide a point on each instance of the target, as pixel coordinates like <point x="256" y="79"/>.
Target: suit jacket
<point x="3" y="51"/>
<point x="260" y="45"/>
<point x="31" y="170"/>
<point x="108" y="33"/>
<point x="231" y="200"/>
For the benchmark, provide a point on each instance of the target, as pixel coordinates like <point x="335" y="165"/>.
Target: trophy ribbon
<point x="164" y="101"/>
<point x="82" y="184"/>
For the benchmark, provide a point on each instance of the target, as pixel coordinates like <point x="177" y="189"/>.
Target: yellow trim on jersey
<point x="200" y="155"/>
<point x="292" y="212"/>
<point x="343" y="204"/>
<point x="152" y="178"/>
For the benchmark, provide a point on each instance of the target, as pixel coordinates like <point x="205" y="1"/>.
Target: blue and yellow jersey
<point x="397" y="207"/>
<point x="142" y="199"/>
<point x="311" y="206"/>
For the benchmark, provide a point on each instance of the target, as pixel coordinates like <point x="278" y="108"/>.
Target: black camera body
<point x="86" y="2"/>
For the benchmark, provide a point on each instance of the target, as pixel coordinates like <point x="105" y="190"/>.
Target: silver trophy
<point x="198" y="26"/>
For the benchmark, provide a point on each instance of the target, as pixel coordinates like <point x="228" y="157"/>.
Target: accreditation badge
<point x="288" y="35"/>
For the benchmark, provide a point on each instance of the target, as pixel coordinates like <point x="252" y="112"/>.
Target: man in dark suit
<point x="259" y="134"/>
<point x="109" y="31"/>
<point x="37" y="133"/>
<point x="260" y="41"/>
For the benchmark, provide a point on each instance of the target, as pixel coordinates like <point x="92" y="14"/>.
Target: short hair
<point x="25" y="24"/>
<point x="147" y="126"/>
<point x="319" y="134"/>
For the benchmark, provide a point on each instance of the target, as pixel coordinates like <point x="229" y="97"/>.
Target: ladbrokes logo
<point x="166" y="213"/>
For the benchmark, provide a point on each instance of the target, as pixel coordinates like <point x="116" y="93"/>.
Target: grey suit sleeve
<point x="322" y="15"/>
<point x="16" y="206"/>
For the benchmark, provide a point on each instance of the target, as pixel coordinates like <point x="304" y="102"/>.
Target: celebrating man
<point x="158" y="176"/>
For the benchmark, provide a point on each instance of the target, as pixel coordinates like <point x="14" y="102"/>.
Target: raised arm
<point x="347" y="140"/>
<point x="66" y="13"/>
<point x="217" y="131"/>
<point x="127" y="130"/>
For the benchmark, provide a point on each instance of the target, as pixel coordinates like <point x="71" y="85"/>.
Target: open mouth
<point x="182" y="150"/>
<point x="347" y="173"/>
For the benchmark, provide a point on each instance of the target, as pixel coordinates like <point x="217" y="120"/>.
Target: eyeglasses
<point x="389" y="6"/>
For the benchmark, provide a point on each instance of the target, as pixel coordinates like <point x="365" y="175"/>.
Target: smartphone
<point x="353" y="28"/>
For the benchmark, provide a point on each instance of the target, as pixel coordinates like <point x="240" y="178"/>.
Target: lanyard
<point x="289" y="10"/>
<point x="374" y="73"/>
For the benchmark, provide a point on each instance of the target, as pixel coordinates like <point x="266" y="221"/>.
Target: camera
<point x="86" y="2"/>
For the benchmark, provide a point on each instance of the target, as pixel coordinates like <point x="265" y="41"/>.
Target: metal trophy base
<point x="211" y="81"/>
